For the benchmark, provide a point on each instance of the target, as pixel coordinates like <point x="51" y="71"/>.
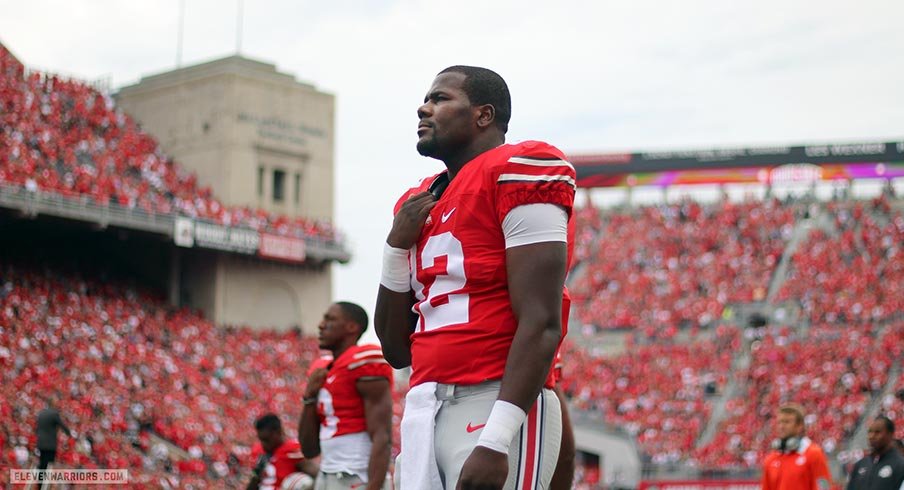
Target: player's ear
<point x="486" y="116"/>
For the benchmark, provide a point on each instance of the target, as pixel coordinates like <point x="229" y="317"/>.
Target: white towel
<point x="418" y="459"/>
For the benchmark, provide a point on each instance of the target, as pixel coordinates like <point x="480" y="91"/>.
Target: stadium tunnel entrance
<point x="130" y="256"/>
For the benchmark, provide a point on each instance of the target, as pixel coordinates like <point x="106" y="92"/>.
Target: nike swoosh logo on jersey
<point x="472" y="428"/>
<point x="446" y="215"/>
<point x="331" y="379"/>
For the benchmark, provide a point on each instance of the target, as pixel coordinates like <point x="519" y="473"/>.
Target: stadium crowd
<point x="122" y="365"/>
<point x="649" y="266"/>
<point x="832" y="372"/>
<point x="660" y="268"/>
<point x="835" y="274"/>
<point x="657" y="393"/>
<point x="64" y="137"/>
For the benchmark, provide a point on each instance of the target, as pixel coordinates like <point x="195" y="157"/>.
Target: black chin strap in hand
<point x="439" y="185"/>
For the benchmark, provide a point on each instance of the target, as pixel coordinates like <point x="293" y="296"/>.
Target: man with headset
<point x="796" y="462"/>
<point x="883" y="468"/>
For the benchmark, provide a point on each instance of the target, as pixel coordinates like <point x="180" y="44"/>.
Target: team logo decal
<point x="801" y="460"/>
<point x="885" y="471"/>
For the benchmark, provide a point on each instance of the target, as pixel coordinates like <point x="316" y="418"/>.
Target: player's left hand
<point x="484" y="469"/>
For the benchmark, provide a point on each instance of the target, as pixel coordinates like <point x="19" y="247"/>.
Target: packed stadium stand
<point x="155" y="389"/>
<point x="123" y="365"/>
<point x="171" y="396"/>
<point x="63" y="136"/>
<point x="852" y="272"/>
<point x="832" y="371"/>
<point x="659" y="268"/>
<point x="656" y="393"/>
<point x="649" y="272"/>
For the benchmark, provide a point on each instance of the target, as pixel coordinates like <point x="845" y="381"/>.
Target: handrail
<point x="84" y="208"/>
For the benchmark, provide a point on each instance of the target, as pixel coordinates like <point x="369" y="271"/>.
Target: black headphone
<point x="787" y="445"/>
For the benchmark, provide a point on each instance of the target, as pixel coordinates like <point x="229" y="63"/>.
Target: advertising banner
<point x="184" y="232"/>
<point x="700" y="485"/>
<point x="282" y="248"/>
<point x="229" y="239"/>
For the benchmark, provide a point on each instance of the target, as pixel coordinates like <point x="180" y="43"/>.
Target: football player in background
<point x="347" y="414"/>
<point x="479" y="253"/>
<point x="275" y="456"/>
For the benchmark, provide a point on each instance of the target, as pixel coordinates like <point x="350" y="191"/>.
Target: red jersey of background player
<point x="339" y="405"/>
<point x="466" y="323"/>
<point x="282" y="463"/>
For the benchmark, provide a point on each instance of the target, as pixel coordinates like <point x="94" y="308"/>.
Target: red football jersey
<point x="282" y="463"/>
<point x="466" y="323"/>
<point x="320" y="362"/>
<point x="339" y="405"/>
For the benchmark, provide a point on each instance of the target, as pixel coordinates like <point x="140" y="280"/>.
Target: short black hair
<point x="268" y="421"/>
<point x="889" y="424"/>
<point x="485" y="86"/>
<point x="354" y="313"/>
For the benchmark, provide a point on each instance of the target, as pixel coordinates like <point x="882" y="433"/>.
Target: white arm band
<point x="535" y="223"/>
<point x="396" y="273"/>
<point x="503" y="424"/>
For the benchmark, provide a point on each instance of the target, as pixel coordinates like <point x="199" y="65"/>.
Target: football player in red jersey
<point x="275" y="456"/>
<point x="347" y="415"/>
<point x="471" y="294"/>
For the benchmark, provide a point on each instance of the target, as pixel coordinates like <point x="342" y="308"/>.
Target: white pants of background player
<point x="342" y="481"/>
<point x="534" y="451"/>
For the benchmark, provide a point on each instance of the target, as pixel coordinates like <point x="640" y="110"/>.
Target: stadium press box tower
<point x="257" y="138"/>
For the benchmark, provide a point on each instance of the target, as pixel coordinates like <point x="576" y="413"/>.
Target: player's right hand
<point x="258" y="470"/>
<point x="315" y="382"/>
<point x="407" y="224"/>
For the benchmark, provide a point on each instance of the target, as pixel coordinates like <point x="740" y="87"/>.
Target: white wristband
<point x="504" y="422"/>
<point x="396" y="273"/>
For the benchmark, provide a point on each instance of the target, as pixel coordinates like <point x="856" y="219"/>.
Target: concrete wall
<point x="256" y="293"/>
<point x="236" y="122"/>
<point x="234" y="290"/>
<point x="619" y="461"/>
<point x="227" y="119"/>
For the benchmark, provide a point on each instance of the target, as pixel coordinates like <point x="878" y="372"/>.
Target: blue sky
<point x="585" y="76"/>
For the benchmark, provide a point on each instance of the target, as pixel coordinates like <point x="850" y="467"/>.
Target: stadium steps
<point x="733" y="389"/>
<point x="873" y="409"/>
<point x="174" y="452"/>
<point x="577" y="272"/>
<point x="800" y="233"/>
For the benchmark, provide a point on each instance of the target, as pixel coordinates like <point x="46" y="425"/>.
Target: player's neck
<point x="456" y="161"/>
<point x="338" y="351"/>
